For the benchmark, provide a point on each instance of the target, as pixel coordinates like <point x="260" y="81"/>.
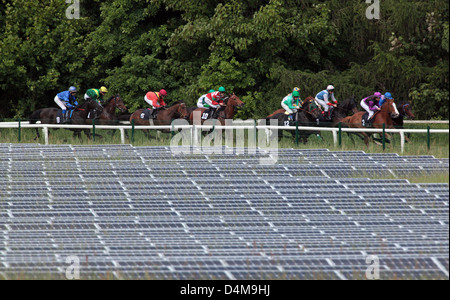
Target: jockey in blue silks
<point x="66" y="101"/>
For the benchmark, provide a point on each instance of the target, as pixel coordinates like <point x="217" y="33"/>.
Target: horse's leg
<point x="350" y="135"/>
<point x="38" y="136"/>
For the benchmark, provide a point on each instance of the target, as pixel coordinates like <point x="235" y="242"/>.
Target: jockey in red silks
<point x="156" y="100"/>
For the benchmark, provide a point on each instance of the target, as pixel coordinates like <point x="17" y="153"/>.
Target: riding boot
<point x="64" y="117"/>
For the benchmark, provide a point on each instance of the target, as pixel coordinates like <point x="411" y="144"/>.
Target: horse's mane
<point x="111" y="98"/>
<point x="85" y="103"/>
<point x="176" y="102"/>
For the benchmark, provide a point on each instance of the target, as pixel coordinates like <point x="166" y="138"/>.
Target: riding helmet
<point x="103" y="89"/>
<point x="73" y="89"/>
<point x="388" y="95"/>
<point x="163" y="93"/>
<point x="222" y="89"/>
<point x="330" y="88"/>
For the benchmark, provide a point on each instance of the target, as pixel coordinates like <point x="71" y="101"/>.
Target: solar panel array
<point x="141" y="212"/>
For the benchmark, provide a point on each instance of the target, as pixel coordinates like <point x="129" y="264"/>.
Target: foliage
<point x="259" y="49"/>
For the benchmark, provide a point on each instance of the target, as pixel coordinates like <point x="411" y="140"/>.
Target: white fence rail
<point x="195" y="129"/>
<point x="128" y="123"/>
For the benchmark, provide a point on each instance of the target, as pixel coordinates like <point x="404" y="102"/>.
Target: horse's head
<point x="234" y="101"/>
<point x="118" y="103"/>
<point x="348" y="105"/>
<point x="311" y="108"/>
<point x="390" y="107"/>
<point x="182" y="110"/>
<point x="405" y="110"/>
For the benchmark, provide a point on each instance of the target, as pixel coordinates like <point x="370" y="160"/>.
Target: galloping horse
<point x="404" y="109"/>
<point x="305" y="117"/>
<point x="108" y="115"/>
<point x="164" y="116"/>
<point x="384" y="116"/>
<point x="231" y="105"/>
<point x="80" y="114"/>
<point x="338" y="113"/>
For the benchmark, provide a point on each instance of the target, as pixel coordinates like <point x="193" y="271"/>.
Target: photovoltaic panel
<point x="140" y="212"/>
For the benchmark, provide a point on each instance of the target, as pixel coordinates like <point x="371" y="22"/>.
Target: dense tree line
<point x="259" y="49"/>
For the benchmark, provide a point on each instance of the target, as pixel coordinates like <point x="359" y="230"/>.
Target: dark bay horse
<point x="385" y="116"/>
<point x="405" y="111"/>
<point x="108" y="115"/>
<point x="165" y="116"/>
<point x="305" y="116"/>
<point x="340" y="112"/>
<point x="232" y="103"/>
<point x="79" y="116"/>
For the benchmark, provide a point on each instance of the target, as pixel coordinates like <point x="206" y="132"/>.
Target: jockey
<point x="371" y="104"/>
<point x="291" y="103"/>
<point x="212" y="100"/>
<point x="64" y="99"/>
<point x="96" y="95"/>
<point x="156" y="100"/>
<point x="217" y="96"/>
<point x="387" y="95"/>
<point x="326" y="99"/>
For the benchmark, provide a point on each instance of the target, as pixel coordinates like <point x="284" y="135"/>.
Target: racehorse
<point x="163" y="117"/>
<point x="385" y="116"/>
<point x="305" y="117"/>
<point x="79" y="116"/>
<point x="108" y="115"/>
<point x="232" y="103"/>
<point x="404" y="109"/>
<point x="337" y="114"/>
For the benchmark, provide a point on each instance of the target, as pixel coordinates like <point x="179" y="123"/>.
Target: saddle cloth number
<point x="205" y="116"/>
<point x="286" y="123"/>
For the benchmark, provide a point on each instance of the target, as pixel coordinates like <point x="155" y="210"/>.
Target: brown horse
<point x="384" y="116"/>
<point x="108" y="115"/>
<point x="80" y="114"/>
<point x="165" y="116"/>
<point x="231" y="105"/>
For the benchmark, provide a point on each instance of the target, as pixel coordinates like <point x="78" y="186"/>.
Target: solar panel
<point x="139" y="212"/>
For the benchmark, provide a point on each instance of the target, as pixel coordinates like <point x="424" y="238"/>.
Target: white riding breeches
<point x="290" y="111"/>
<point x="204" y="100"/>
<point x="323" y="103"/>
<point x="60" y="103"/>
<point x="366" y="108"/>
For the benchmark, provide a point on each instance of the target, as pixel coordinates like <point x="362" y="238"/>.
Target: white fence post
<point x="122" y="135"/>
<point x="45" y="130"/>
<point x="402" y="141"/>
<point x="335" y="138"/>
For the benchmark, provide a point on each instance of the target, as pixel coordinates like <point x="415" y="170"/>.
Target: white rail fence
<point x="195" y="130"/>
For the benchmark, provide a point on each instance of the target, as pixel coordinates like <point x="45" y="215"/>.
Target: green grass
<point x="418" y="146"/>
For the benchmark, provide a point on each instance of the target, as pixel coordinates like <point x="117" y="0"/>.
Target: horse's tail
<point x="35" y="116"/>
